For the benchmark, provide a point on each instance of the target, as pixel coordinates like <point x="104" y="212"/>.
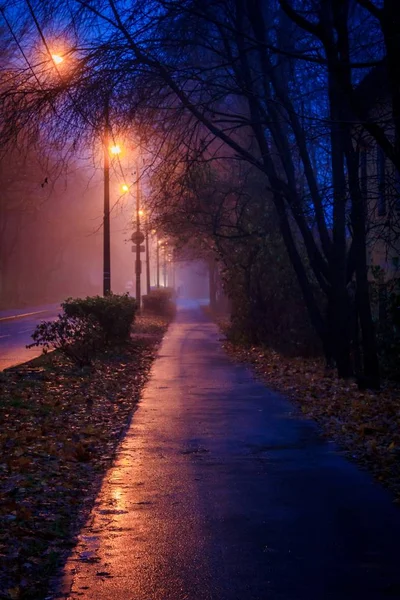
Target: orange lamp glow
<point x="57" y="59"/>
<point x="115" y="149"/>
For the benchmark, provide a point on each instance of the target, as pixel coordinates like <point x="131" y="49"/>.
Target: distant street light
<point x="125" y="188"/>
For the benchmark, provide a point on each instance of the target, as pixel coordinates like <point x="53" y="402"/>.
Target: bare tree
<point x="239" y="78"/>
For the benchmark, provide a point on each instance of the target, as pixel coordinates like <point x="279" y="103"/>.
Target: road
<point x="16" y="327"/>
<point x="222" y="491"/>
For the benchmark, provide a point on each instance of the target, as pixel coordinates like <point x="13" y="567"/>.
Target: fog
<point x="192" y="280"/>
<point x="51" y="238"/>
<point x="51" y="234"/>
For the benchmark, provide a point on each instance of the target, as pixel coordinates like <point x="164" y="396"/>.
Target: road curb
<point x="29" y="314"/>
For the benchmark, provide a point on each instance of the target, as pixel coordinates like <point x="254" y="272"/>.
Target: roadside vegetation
<point x="364" y="423"/>
<point x="61" y="420"/>
<point x="160" y="301"/>
<point x="269" y="136"/>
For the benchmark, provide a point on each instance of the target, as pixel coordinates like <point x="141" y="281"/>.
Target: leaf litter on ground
<point x="59" y="430"/>
<point x="365" y="424"/>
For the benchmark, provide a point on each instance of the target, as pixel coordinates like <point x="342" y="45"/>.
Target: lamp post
<point x="57" y="60"/>
<point x="165" y="264"/>
<point x="158" y="262"/>
<point x="138" y="262"/>
<point x="173" y="276"/>
<point x="106" y="221"/>
<point x="138" y="238"/>
<point x="147" y="257"/>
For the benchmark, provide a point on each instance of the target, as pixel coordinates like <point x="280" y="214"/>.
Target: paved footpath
<point x="221" y="491"/>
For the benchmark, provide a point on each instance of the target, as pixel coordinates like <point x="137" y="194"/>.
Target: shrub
<point x="389" y="337"/>
<point x="267" y="306"/>
<point x="160" y="301"/>
<point x="113" y="313"/>
<point x="385" y="301"/>
<point x="77" y="338"/>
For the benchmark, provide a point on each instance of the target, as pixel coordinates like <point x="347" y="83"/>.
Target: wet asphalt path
<point x="16" y="328"/>
<point x="222" y="492"/>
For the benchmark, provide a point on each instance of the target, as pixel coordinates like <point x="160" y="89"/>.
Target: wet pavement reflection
<point x="221" y="491"/>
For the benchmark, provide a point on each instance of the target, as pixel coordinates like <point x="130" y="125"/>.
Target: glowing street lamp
<point x="107" y="150"/>
<point x="57" y="59"/>
<point x="125" y="188"/>
<point x="116" y="149"/>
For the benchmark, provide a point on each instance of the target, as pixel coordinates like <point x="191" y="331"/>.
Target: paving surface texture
<point x="221" y="491"/>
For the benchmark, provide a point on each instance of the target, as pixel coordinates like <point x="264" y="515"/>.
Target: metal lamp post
<point x="106" y="222"/>
<point x="138" y="239"/>
<point x="138" y="262"/>
<point x="165" y="264"/>
<point x="147" y="257"/>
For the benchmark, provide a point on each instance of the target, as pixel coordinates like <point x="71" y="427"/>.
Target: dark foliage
<point x="87" y="326"/>
<point x="113" y="313"/>
<point x="78" y="338"/>
<point x="266" y="303"/>
<point x="160" y="301"/>
<point x="388" y="328"/>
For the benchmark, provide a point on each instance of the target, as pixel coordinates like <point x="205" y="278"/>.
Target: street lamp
<point x="138" y="238"/>
<point x="165" y="264"/>
<point x="115" y="150"/>
<point x="146" y="237"/>
<point x="57" y="59"/>
<point x="158" y="262"/>
<point x="106" y="220"/>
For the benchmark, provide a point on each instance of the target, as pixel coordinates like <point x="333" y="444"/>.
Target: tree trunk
<point x="371" y="376"/>
<point x="339" y="300"/>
